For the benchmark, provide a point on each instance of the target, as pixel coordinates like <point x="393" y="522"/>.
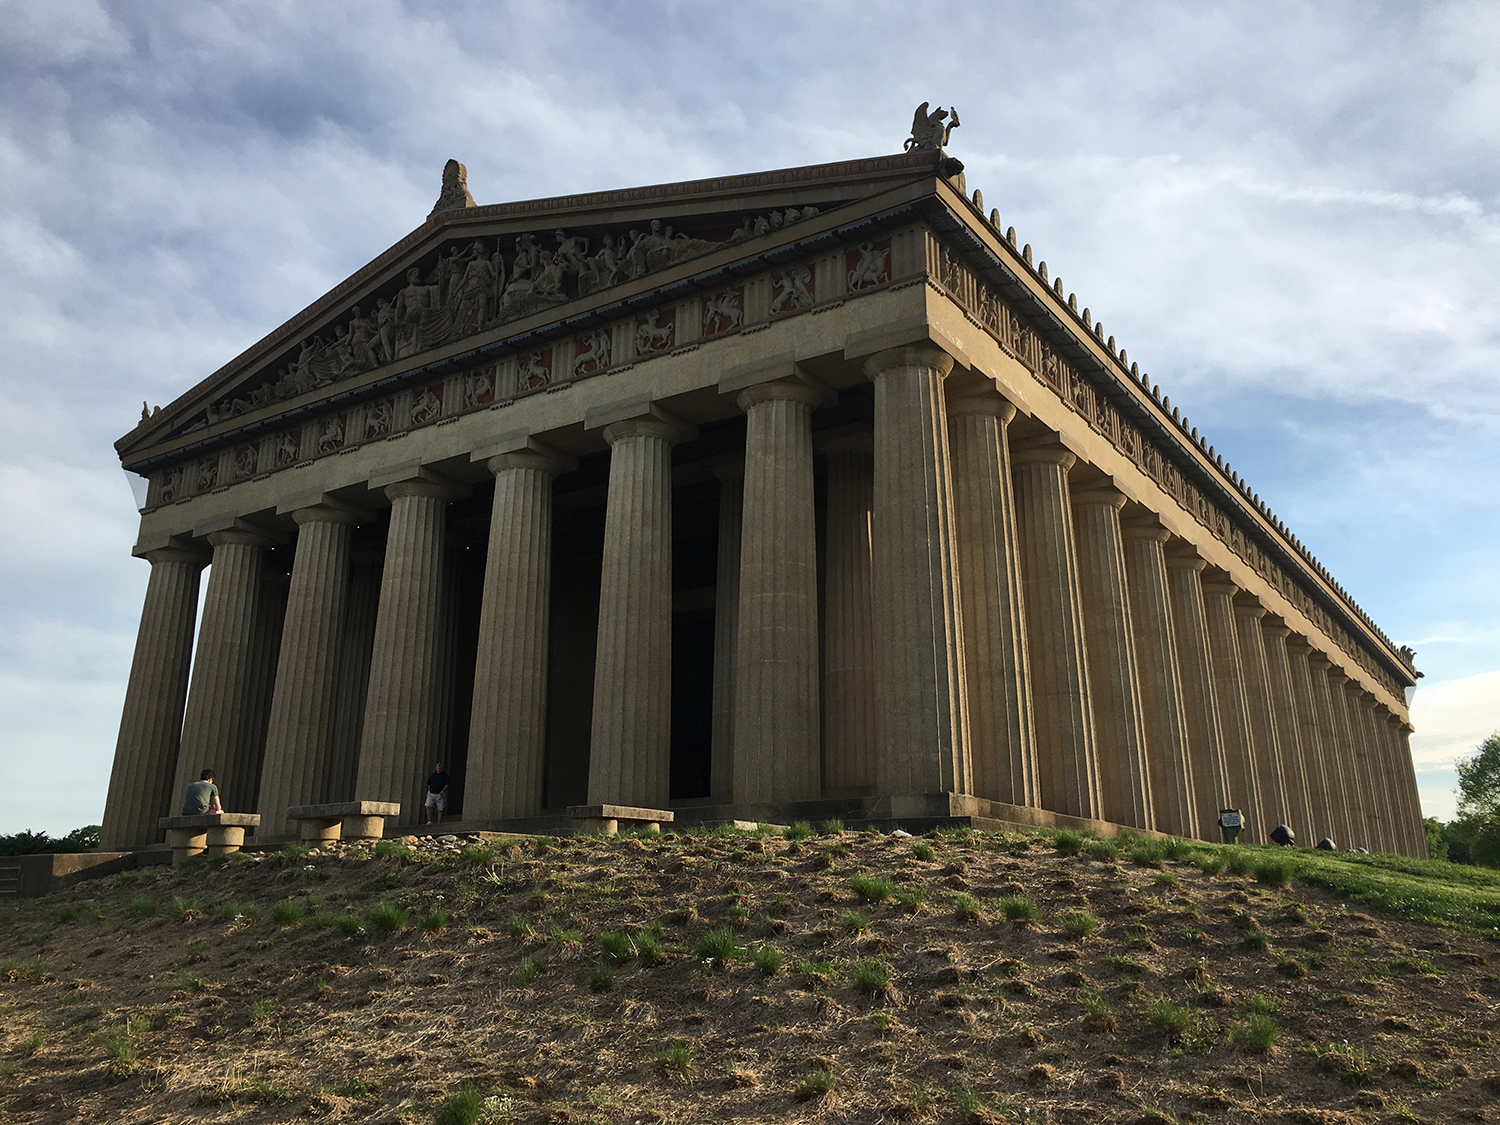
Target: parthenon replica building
<point x="779" y="496"/>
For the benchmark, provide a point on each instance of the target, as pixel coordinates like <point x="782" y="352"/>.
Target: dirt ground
<point x="1198" y="997"/>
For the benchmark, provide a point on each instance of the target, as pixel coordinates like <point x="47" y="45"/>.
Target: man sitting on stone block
<point x="201" y="796"/>
<point x="437" y="794"/>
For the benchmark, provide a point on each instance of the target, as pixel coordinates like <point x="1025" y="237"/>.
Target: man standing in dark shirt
<point x="437" y="794"/>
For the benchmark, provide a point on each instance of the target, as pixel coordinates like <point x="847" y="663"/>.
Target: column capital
<point x="412" y="478"/>
<point x="1183" y="555"/>
<point x="1298" y="645"/>
<point x="1319" y="659"/>
<point x="243" y="537"/>
<point x="1042" y="449"/>
<point x="1147" y="525"/>
<point x="1099" y="495"/>
<point x="783" y="373"/>
<point x="727" y="468"/>
<point x="327" y="501"/>
<point x="1337" y="674"/>
<point x="1248" y="605"/>
<point x="1219" y="581"/>
<point x="1275" y="626"/>
<point x="429" y="488"/>
<point x="327" y="513"/>
<point x="925" y="355"/>
<point x="804" y="391"/>
<point x="520" y="443"/>
<point x="636" y="417"/>
<point x="1354" y="687"/>
<point x="974" y="392"/>
<point x="855" y="438"/>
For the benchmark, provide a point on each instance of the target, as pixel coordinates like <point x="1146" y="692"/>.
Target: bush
<point x="870" y="888"/>
<point x="387" y="918"/>
<point x="718" y="947"/>
<point x="39" y="843"/>
<point x="1018" y="908"/>
<point x="287" y="913"/>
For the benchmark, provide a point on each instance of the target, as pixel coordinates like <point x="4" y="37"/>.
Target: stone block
<point x="214" y="833"/>
<point x="343" y="820"/>
<point x="607" y="819"/>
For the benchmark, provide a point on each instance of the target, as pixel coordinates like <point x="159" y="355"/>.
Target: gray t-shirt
<point x="198" y="797"/>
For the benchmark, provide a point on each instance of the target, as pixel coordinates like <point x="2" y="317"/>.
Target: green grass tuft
<point x="387" y="918"/>
<point x="1176" y="1019"/>
<point x="967" y="908"/>
<point x="287" y="913"/>
<point x="648" y="948"/>
<point x="435" y="921"/>
<point x="1078" y="924"/>
<point x="350" y="924"/>
<point x="143" y="906"/>
<point x="1018" y="908"/>
<point x="527" y="970"/>
<point x="718" y="947"/>
<point x="766" y="958"/>
<point x="815" y="1084"/>
<point x="871" y="888"/>
<point x="1257" y="1035"/>
<point x="921" y="849"/>
<point x="617" y="947"/>
<point x="853" y="922"/>
<point x="832" y="827"/>
<point x="1068" y="842"/>
<point x="801" y="830"/>
<point x="871" y="977"/>
<point x="460" y="1108"/>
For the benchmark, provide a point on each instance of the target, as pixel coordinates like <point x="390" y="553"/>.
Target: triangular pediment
<point x="471" y="275"/>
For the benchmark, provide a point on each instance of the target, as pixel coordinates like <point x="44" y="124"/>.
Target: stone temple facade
<point x="787" y="495"/>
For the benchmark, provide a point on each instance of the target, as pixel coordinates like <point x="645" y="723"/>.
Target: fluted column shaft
<point x="1196" y="676"/>
<point x="1234" y="711"/>
<point x="631" y="739"/>
<point x="217" y="727"/>
<point x="1335" y="768"/>
<point x="146" y="751"/>
<point x="922" y="724"/>
<point x="1173" y="790"/>
<point x="1382" y="781"/>
<point x="849" y="617"/>
<point x="1321" y="819"/>
<point x="1355" y="800"/>
<point x="1114" y="677"/>
<point x="1247" y="617"/>
<point x="726" y="627"/>
<point x="399" y="743"/>
<point x="1362" y="766"/>
<point x="299" y="738"/>
<point x="1396" y="734"/>
<point x="1067" y="753"/>
<point x="1002" y="739"/>
<point x="776" y="707"/>
<point x="508" y="721"/>
<point x="356" y="646"/>
<point x="1274" y="635"/>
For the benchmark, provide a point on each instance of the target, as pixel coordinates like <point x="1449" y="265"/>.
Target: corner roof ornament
<point x="927" y="129"/>
<point x="455" y="195"/>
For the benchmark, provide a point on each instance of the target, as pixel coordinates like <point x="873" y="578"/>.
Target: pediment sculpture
<point x="479" y="284"/>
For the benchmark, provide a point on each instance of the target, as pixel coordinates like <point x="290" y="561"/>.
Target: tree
<point x="1437" y="847"/>
<point x="1478" y="820"/>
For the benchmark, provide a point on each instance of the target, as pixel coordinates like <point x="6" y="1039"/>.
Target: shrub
<point x="350" y="924"/>
<point x="871" y="977"/>
<point x="387" y="918"/>
<point x="435" y="921"/>
<point x="287" y="913"/>
<point x="921" y="849"/>
<point x="718" y="947"/>
<point x="767" y="959"/>
<point x="853" y="922"/>
<point x="799" y="831"/>
<point x="1018" y="908"/>
<point x="1079" y="924"/>
<point x="832" y="827"/>
<point x="1257" y="1034"/>
<point x="870" y="888"/>
<point x="815" y="1083"/>
<point x="461" y="1108"/>
<point x="616" y="946"/>
<point x="967" y="908"/>
<point x="526" y="972"/>
<point x="142" y="906"/>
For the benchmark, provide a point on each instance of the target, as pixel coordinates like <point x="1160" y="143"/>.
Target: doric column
<point x="1362" y="766"/>
<point x="1067" y="754"/>
<point x="631" y="734"/>
<point x="1247" y="616"/>
<point x="776" y="709"/>
<point x="1173" y="790"/>
<point x="1335" y="769"/>
<point x="1196" y="676"/>
<point x="1234" y="712"/>
<point x="1416" y="831"/>
<point x="1381" y="775"/>
<point x="849" y="617"/>
<point x="1002" y="741"/>
<point x="508" y="720"/>
<point x="1321" y="819"/>
<point x="1356" y="827"/>
<point x="399" y="743"/>
<point x="1114" y="678"/>
<point x="726" y="626"/>
<point x="217" y="728"/>
<point x="299" y="739"/>
<point x="922" y="725"/>
<point x="1274" y="633"/>
<point x="356" y="646"/>
<point x="145" y="765"/>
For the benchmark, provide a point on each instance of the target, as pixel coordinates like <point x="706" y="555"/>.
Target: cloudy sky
<point x="1287" y="212"/>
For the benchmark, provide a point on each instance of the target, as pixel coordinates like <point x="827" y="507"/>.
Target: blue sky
<point x="1286" y="212"/>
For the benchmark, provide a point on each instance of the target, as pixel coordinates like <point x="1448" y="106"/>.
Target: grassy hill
<point x="732" y="976"/>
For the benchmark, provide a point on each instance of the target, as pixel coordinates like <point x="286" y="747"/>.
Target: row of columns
<point x="995" y="625"/>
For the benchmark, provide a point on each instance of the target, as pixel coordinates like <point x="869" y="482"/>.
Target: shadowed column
<point x="1247" y="616"/>
<point x="1335" y="770"/>
<point x="1355" y="800"/>
<point x="1274" y="635"/>
<point x="1173" y="790"/>
<point x="776" y="708"/>
<point x="849" y="617"/>
<point x="1362" y="765"/>
<point x="726" y="619"/>
<point x="218" y="726"/>
<point x="508" y="724"/>
<point x="1002" y="742"/>
<point x="299" y="739"/>
<point x="356" y="646"/>
<point x="1067" y="755"/>
<point x="145" y="765"/>
<point x="1234" y="714"/>
<point x="1114" y="678"/>
<point x="1196" y="675"/>
<point x="1382" y="781"/>
<point x="399" y="743"/>
<point x="631" y="735"/>
<point x="1396" y="733"/>
<point x="1321" y="819"/>
<point x="922" y="725"/>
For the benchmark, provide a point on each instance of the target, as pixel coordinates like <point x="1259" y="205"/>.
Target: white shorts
<point x="437" y="801"/>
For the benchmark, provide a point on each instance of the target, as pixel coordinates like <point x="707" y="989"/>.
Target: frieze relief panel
<point x="478" y="284"/>
<point x="988" y="310"/>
